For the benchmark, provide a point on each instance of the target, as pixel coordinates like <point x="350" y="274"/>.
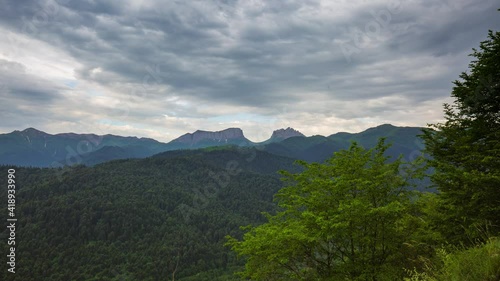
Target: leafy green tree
<point x="465" y="149"/>
<point x="345" y="219"/>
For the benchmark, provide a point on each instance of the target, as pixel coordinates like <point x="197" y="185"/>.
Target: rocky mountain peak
<point x="219" y="136"/>
<point x="286" y="133"/>
<point x="32" y="132"/>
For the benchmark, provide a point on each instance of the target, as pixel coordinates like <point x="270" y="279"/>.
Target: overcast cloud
<point x="163" y="68"/>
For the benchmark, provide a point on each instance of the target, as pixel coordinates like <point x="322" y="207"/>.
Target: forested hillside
<point x="150" y="219"/>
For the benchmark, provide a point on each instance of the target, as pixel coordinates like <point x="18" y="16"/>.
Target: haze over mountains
<point x="32" y="147"/>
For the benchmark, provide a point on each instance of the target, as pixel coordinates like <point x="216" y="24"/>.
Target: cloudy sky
<point x="163" y="68"/>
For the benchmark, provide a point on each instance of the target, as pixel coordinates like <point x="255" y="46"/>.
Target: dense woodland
<point x="148" y="219"/>
<point x="356" y="216"/>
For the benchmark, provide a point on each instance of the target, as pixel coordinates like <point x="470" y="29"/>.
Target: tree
<point x="345" y="219"/>
<point x="465" y="149"/>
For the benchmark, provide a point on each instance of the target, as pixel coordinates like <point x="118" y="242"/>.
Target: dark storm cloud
<point x="255" y="54"/>
<point x="461" y="30"/>
<point x="17" y="84"/>
<point x="107" y="37"/>
<point x="26" y="98"/>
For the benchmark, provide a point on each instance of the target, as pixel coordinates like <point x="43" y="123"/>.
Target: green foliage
<point x="216" y="274"/>
<point x="123" y="220"/>
<point x="346" y="219"/>
<point x="465" y="150"/>
<point x="480" y="263"/>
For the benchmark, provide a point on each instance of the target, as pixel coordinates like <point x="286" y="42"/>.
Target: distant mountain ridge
<point x="404" y="142"/>
<point x="201" y="139"/>
<point x="32" y="147"/>
<point x="283" y="134"/>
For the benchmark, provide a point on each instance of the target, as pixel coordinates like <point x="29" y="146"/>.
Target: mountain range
<point x="161" y="217"/>
<point x="32" y="147"/>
